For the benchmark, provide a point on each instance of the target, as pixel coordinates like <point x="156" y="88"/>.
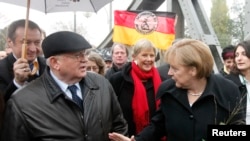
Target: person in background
<point x="228" y="59"/>
<point x="95" y="63"/>
<point x="240" y="74"/>
<point x="136" y="85"/>
<point x="65" y="103"/>
<point x="163" y="71"/>
<point x="192" y="99"/>
<point x="108" y="61"/>
<point x="119" y="57"/>
<point x="3" y="54"/>
<point x="15" y="71"/>
<point x="43" y="37"/>
<point x="164" y="68"/>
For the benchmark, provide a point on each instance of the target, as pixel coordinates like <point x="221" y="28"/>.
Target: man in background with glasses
<point x="66" y="102"/>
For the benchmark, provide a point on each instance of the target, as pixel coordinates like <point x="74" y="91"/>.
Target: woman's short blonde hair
<point x="193" y="53"/>
<point x="143" y="44"/>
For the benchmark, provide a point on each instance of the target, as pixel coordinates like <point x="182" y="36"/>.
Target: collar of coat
<point x="223" y="91"/>
<point x="54" y="91"/>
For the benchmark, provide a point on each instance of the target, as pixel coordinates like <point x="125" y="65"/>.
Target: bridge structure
<point x="193" y="14"/>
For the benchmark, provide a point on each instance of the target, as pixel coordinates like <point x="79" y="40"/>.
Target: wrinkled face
<point x="183" y="75"/>
<point x="119" y="56"/>
<point x="33" y="47"/>
<point x="92" y="66"/>
<point x="71" y="66"/>
<point x="241" y="60"/>
<point x="145" y="59"/>
<point x="229" y="63"/>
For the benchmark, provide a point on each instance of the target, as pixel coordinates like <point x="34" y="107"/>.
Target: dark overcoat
<point x="181" y="122"/>
<point x="42" y="111"/>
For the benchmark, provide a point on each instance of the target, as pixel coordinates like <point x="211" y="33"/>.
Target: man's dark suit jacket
<point x="7" y="86"/>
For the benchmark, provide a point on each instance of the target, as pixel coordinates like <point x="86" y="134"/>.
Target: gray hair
<point x="143" y="44"/>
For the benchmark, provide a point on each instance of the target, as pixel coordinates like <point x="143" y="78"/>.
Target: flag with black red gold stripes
<point x="158" y="27"/>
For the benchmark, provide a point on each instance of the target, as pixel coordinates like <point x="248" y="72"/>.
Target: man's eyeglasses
<point x="78" y="56"/>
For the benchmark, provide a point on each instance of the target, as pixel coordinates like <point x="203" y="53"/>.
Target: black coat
<point x="242" y="87"/>
<point x="7" y="86"/>
<point x="235" y="78"/>
<point x="111" y="71"/>
<point x="180" y="122"/>
<point x="41" y="111"/>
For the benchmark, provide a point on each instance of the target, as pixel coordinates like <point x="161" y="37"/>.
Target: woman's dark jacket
<point x="180" y="122"/>
<point x="41" y="111"/>
<point x="123" y="85"/>
<point x="242" y="87"/>
<point x="236" y="79"/>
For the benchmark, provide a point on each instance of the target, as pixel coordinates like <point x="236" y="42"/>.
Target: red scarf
<point x="140" y="103"/>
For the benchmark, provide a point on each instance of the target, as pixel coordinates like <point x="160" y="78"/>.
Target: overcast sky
<point x="97" y="26"/>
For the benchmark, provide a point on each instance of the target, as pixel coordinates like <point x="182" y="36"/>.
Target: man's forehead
<point x="119" y="49"/>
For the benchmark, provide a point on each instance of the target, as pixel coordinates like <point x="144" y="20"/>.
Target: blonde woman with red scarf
<point x="136" y="86"/>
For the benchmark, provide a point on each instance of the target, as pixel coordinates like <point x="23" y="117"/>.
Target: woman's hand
<point x="119" y="137"/>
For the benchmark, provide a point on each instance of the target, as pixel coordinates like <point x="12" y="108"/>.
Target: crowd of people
<point x="78" y="94"/>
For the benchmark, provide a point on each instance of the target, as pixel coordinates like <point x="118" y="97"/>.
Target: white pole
<point x="74" y="21"/>
<point x="110" y="16"/>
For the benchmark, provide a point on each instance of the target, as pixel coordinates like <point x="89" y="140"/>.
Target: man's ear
<point x="54" y="62"/>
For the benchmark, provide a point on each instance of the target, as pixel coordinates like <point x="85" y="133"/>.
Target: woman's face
<point x="241" y="60"/>
<point x="229" y="63"/>
<point x="92" y="66"/>
<point x="183" y="75"/>
<point x="145" y="59"/>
